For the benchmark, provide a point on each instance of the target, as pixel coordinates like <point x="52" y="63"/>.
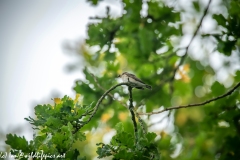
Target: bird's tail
<point x="148" y="86"/>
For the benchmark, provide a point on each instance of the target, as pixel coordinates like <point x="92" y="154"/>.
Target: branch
<point x="130" y="106"/>
<point x="166" y="116"/>
<point x="132" y="113"/>
<point x="101" y="99"/>
<point x="196" y="104"/>
<point x="185" y="54"/>
<point x="96" y="81"/>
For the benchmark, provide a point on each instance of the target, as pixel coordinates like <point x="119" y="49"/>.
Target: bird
<point x="137" y="83"/>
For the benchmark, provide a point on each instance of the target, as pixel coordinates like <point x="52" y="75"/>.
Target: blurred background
<point x="33" y="65"/>
<point x="45" y="45"/>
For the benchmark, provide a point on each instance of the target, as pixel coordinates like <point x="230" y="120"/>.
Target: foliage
<point x="122" y="146"/>
<point x="229" y="38"/>
<point x="148" y="44"/>
<point x="58" y="129"/>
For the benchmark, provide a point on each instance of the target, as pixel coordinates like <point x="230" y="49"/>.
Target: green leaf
<point x="217" y="89"/>
<point x="63" y="139"/>
<point x="73" y="154"/>
<point x="226" y="47"/>
<point x="124" y="139"/>
<point x="94" y="2"/>
<point x="196" y="6"/>
<point x="104" y="151"/>
<point x="80" y="136"/>
<point x="88" y="75"/>
<point x="42" y="111"/>
<point x="124" y="154"/>
<point x="237" y="77"/>
<point x="18" y="143"/>
<point x="119" y="127"/>
<point x="66" y="109"/>
<point x="220" y="19"/>
<point x="151" y="136"/>
<point x="53" y="122"/>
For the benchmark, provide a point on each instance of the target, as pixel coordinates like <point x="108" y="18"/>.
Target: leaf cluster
<point x="58" y="128"/>
<point x="122" y="146"/>
<point x="229" y="40"/>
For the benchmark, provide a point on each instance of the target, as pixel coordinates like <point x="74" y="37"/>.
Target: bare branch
<point x="186" y="50"/>
<point x="132" y="113"/>
<point x="111" y="95"/>
<point x="160" y="121"/>
<point x="130" y="106"/>
<point x="196" y="104"/>
<point x="101" y="99"/>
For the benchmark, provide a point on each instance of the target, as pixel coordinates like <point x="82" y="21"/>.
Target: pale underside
<point x="125" y="78"/>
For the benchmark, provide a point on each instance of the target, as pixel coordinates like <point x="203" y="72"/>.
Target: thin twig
<point x="186" y="51"/>
<point x="196" y="104"/>
<point x="101" y="99"/>
<point x="163" y="118"/>
<point x="111" y="95"/>
<point x="132" y="113"/>
<point x="130" y="106"/>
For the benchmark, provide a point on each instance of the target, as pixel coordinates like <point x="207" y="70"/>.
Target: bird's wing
<point x="134" y="77"/>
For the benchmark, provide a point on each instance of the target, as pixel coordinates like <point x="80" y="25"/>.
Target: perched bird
<point x="137" y="83"/>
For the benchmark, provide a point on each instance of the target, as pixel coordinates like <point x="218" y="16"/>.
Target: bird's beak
<point x="118" y="76"/>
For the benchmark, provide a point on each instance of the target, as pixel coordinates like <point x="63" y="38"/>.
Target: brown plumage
<point x="139" y="84"/>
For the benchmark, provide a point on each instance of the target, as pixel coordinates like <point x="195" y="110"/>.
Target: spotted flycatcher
<point x="137" y="83"/>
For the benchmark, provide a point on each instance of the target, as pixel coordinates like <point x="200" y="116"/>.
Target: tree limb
<point x="132" y="113"/>
<point x="185" y="54"/>
<point x="111" y="95"/>
<point x="101" y="99"/>
<point x="196" y="104"/>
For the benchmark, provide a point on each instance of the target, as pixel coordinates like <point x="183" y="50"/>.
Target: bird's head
<point x="120" y="75"/>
